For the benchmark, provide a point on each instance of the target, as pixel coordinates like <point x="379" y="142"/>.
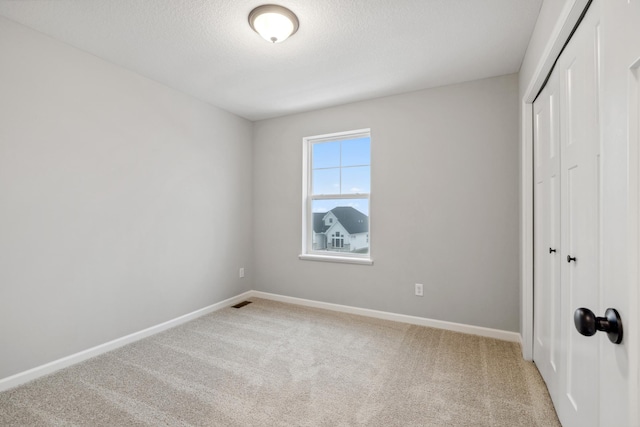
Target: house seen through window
<point x="337" y="192"/>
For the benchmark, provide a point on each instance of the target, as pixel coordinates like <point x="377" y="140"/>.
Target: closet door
<point x="567" y="219"/>
<point x="581" y="194"/>
<point x="547" y="342"/>
<point x="592" y="378"/>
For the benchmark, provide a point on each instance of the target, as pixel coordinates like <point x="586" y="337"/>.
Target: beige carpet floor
<point x="274" y="364"/>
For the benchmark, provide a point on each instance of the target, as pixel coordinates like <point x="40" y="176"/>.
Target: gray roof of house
<point x="318" y="223"/>
<point x="351" y="219"/>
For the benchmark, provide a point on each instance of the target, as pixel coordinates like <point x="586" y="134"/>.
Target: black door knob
<point x="571" y="258"/>
<point x="551" y="250"/>
<point x="588" y="324"/>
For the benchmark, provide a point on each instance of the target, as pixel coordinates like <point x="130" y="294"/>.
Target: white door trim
<point x="566" y="23"/>
<point x="634" y="237"/>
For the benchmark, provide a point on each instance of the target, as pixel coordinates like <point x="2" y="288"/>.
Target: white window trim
<point x="332" y="258"/>
<point x="307" y="223"/>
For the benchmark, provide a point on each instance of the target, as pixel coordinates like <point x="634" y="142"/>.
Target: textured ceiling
<point x="344" y="51"/>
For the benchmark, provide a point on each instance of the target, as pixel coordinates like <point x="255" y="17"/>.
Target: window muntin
<point x="337" y="185"/>
<point x="341" y="167"/>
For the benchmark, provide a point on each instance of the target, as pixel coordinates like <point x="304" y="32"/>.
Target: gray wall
<point x="444" y="205"/>
<point x="123" y="204"/>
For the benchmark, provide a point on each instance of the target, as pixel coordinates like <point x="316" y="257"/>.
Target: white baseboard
<point x="46" y="369"/>
<point x="414" y="320"/>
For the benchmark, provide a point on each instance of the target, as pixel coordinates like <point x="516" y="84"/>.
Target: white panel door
<point x="580" y="179"/>
<point x="547" y="345"/>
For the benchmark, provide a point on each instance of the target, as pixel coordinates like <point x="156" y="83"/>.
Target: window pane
<point x="326" y="181"/>
<point x="323" y="206"/>
<point x="340" y="225"/>
<point x="356" y="180"/>
<point x="356" y="152"/>
<point x="326" y="155"/>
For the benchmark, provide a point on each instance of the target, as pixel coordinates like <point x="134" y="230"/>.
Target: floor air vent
<point x="241" y="304"/>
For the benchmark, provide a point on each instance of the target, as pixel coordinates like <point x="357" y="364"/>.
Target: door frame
<point x="569" y="18"/>
<point x="633" y="225"/>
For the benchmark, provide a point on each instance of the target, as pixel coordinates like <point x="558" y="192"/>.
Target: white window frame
<point x="307" y="199"/>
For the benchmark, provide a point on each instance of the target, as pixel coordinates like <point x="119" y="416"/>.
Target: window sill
<point x="339" y="259"/>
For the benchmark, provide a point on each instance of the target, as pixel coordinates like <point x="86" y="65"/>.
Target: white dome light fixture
<point x="274" y="23"/>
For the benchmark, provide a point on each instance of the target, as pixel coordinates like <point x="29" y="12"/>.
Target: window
<point x="336" y="194"/>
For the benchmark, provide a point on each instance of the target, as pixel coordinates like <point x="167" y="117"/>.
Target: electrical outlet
<point x="241" y="272"/>
<point x="419" y="290"/>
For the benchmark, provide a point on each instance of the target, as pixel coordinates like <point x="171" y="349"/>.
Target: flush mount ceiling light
<point x="274" y="23"/>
